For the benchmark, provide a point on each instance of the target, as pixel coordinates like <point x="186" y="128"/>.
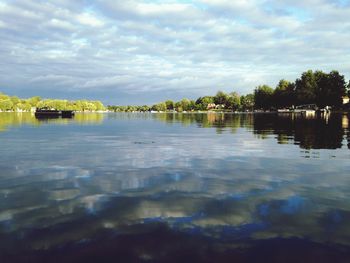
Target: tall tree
<point x="330" y="89"/>
<point x="283" y="95"/>
<point x="305" y="88"/>
<point x="159" y="107"/>
<point x="98" y="104"/>
<point x="263" y="97"/>
<point x="169" y="104"/>
<point x="185" y="104"/>
<point x="336" y="88"/>
<point x="34" y="101"/>
<point x="6" y="104"/>
<point x="233" y="101"/>
<point x="322" y="89"/>
<point x="220" y="98"/>
<point x="247" y="102"/>
<point x="178" y="106"/>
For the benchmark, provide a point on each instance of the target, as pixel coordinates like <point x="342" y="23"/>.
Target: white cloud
<point x="89" y="20"/>
<point x="196" y="47"/>
<point x="61" y="24"/>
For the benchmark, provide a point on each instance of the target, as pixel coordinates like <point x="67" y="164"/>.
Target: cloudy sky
<point x="126" y="52"/>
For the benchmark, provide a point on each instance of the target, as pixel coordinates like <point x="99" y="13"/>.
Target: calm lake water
<point x="174" y="188"/>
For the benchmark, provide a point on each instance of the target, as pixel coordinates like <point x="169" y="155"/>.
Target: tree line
<point x="13" y="103"/>
<point x="221" y="101"/>
<point x="312" y="87"/>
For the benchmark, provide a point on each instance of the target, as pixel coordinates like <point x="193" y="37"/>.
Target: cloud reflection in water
<point x="227" y="185"/>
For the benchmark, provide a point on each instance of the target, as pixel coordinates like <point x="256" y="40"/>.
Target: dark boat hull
<point x="67" y="113"/>
<point x="53" y="114"/>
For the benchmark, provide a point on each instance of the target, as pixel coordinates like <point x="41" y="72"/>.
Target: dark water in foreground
<point x="174" y="188"/>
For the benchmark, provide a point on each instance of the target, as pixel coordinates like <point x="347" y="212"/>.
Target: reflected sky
<point x="236" y="179"/>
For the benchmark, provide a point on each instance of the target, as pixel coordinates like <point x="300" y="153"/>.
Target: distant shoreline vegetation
<point x="313" y="87"/>
<point x="15" y="104"/>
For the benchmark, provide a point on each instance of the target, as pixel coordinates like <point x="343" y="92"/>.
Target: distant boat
<point x="48" y="113"/>
<point x="306" y="110"/>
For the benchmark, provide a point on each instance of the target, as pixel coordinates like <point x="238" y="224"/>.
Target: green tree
<point x="330" y="89"/>
<point x="33" y="101"/>
<point x="233" y="101"/>
<point x="91" y="106"/>
<point x="283" y="95"/>
<point x="203" y="102"/>
<point x="159" y="106"/>
<point x="60" y="104"/>
<point x="15" y="100"/>
<point x="178" y="106"/>
<point x="99" y="105"/>
<point x="247" y="102"/>
<point x="263" y="97"/>
<point x="42" y="104"/>
<point x="220" y="98"/>
<point x="321" y="91"/>
<point x="6" y="104"/>
<point x="305" y="88"/>
<point x="337" y="88"/>
<point x="14" y="103"/>
<point x="24" y="105"/>
<point x="144" y="108"/>
<point x="169" y="104"/>
<point x="192" y="105"/>
<point x="185" y="104"/>
<point x="208" y="100"/>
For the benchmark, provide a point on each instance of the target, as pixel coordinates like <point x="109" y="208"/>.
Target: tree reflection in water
<point x="15" y="119"/>
<point x="320" y="132"/>
<point x="316" y="132"/>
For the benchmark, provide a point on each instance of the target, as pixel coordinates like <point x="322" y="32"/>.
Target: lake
<point x="159" y="187"/>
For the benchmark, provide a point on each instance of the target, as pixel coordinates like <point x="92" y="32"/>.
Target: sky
<point x="143" y="52"/>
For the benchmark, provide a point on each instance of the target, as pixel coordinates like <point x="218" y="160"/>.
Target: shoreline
<point x="189" y="112"/>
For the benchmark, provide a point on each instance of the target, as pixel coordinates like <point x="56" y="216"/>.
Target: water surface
<point x="174" y="187"/>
